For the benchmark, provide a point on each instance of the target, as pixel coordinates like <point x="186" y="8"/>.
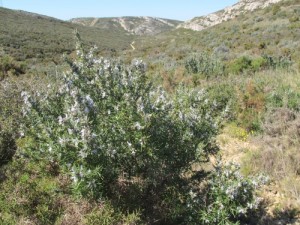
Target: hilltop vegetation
<point x="107" y="138"/>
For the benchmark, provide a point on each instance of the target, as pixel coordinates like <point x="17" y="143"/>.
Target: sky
<point x="169" y="9"/>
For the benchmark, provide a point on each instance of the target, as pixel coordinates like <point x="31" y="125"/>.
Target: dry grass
<point x="278" y="156"/>
<point x="274" y="153"/>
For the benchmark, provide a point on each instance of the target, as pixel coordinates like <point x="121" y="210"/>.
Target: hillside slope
<point x="243" y="6"/>
<point x="28" y="36"/>
<point x="274" y="30"/>
<point x="132" y="25"/>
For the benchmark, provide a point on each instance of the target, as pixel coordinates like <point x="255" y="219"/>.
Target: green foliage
<point x="9" y="119"/>
<point x="10" y="111"/>
<point x="284" y="97"/>
<point x="224" y="95"/>
<point x="204" y="64"/>
<point x="106" y="122"/>
<point x="247" y="64"/>
<point x="258" y="63"/>
<point x="275" y="9"/>
<point x="8" y="67"/>
<point x="106" y="215"/>
<point x="237" y="132"/>
<point x="93" y="128"/>
<point x="36" y="192"/>
<point x="229" y="197"/>
<point x="27" y="193"/>
<point x="239" y="65"/>
<point x="282" y="62"/>
<point x="7" y="145"/>
<point x="114" y="133"/>
<point x="31" y="38"/>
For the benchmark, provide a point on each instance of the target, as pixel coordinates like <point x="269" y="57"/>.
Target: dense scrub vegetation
<point x="253" y="41"/>
<point x="121" y="141"/>
<point x="106" y="134"/>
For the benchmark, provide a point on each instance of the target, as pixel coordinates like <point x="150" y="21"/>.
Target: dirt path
<point x="133" y="48"/>
<point x="94" y="22"/>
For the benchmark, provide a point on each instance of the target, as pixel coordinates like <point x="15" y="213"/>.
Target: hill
<point x="132" y="25"/>
<point x="272" y="31"/>
<point x="243" y="6"/>
<point x="35" y="38"/>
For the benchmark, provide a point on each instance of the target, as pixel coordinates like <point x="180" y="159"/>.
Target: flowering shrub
<point x="107" y="124"/>
<point x="228" y="196"/>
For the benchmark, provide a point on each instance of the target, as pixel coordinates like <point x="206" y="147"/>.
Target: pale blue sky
<point x="171" y="9"/>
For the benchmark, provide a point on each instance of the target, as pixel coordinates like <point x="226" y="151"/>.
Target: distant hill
<point x="35" y="38"/>
<point x="254" y="28"/>
<point x="132" y="25"/>
<point x="243" y="6"/>
<point x="274" y="30"/>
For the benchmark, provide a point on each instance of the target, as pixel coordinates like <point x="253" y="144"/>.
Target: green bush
<point x="114" y="133"/>
<point x="224" y="96"/>
<point x="284" y="96"/>
<point x="239" y="65"/>
<point x="229" y="197"/>
<point x="280" y="62"/>
<point x="29" y="192"/>
<point x="36" y="193"/>
<point x="8" y="66"/>
<point x="204" y="64"/>
<point x="247" y="64"/>
<point x="258" y="64"/>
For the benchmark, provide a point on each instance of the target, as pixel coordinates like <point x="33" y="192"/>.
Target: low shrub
<point x="251" y="107"/>
<point x="281" y="62"/>
<point x="8" y="67"/>
<point x="239" y="65"/>
<point x="204" y="64"/>
<point x="247" y="64"/>
<point x="229" y="197"/>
